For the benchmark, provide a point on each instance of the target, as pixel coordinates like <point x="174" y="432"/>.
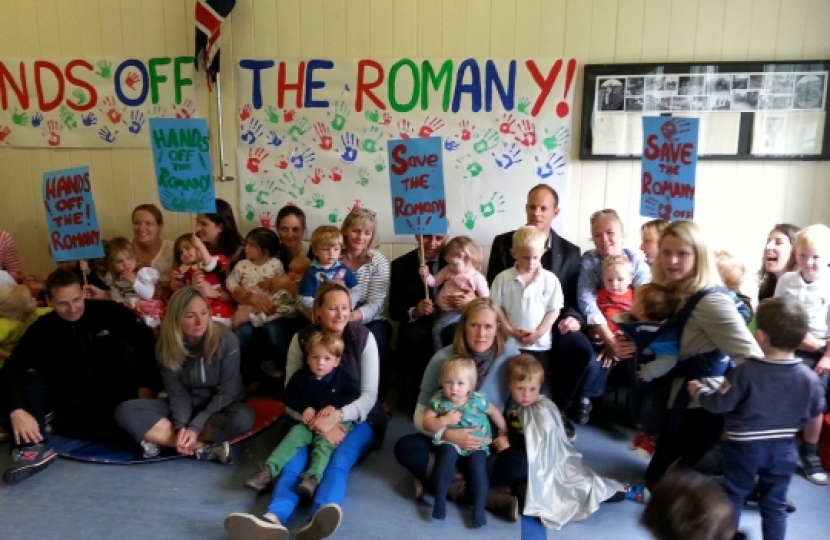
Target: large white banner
<point x="313" y="133"/>
<point x="91" y="102"/>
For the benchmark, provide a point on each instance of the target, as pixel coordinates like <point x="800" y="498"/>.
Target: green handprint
<point x="557" y="139"/>
<point x="316" y="201"/>
<point x="334" y="216"/>
<point x="250" y="186"/>
<point x="371" y="137"/>
<point x="19" y="117"/>
<point x="380" y="163"/>
<point x="80" y="95"/>
<point x="249" y="212"/>
<point x="524" y="103"/>
<point x="493" y="206"/>
<point x="341" y="112"/>
<point x="469" y="220"/>
<point x="373" y="116"/>
<point x="473" y="168"/>
<point x="68" y="118"/>
<point x="104" y="69"/>
<point x="363" y="173"/>
<point x="273" y="114"/>
<point x="288" y="184"/>
<point x="486" y="142"/>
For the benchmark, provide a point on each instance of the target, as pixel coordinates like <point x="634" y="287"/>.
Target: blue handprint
<point x="274" y="139"/>
<point x="350" y="144"/>
<point x="37" y="119"/>
<point x="451" y="145"/>
<point x="511" y="153"/>
<point x="107" y="135"/>
<point x="136" y="122"/>
<point x="300" y="159"/>
<point x="88" y="119"/>
<point x="251" y="132"/>
<point x="554" y="165"/>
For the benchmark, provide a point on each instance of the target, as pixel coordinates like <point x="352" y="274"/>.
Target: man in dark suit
<point x="413" y="310"/>
<point x="572" y="351"/>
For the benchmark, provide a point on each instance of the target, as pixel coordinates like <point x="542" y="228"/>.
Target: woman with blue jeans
<point x="331" y="310"/>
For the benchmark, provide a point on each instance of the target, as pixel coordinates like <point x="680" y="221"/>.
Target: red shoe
<point x="646" y="447"/>
<point x="635" y="442"/>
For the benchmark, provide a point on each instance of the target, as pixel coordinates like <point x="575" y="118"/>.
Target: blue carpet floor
<point x="185" y="499"/>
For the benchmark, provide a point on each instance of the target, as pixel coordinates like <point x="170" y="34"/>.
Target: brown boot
<point x="307" y="485"/>
<point x="260" y="480"/>
<point x="501" y="502"/>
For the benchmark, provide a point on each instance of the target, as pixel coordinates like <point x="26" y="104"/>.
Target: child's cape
<point x="560" y="487"/>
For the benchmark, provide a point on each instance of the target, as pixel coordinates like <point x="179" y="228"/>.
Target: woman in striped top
<point x="9" y="256"/>
<point x="372" y="271"/>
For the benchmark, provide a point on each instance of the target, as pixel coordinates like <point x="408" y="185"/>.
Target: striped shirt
<point x="372" y="287"/>
<point x="9" y="256"/>
<point x="766" y="399"/>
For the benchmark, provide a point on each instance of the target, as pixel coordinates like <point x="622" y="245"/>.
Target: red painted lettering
<point x="20" y="90"/>
<point x="284" y="86"/>
<point x="545" y="84"/>
<point x="93" y="95"/>
<point x="366" y="87"/>
<point x="44" y="105"/>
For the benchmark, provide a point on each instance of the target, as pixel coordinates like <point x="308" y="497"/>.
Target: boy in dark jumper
<point x="317" y="389"/>
<point x="766" y="401"/>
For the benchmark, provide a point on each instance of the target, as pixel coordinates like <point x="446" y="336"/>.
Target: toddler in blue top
<point x="458" y="406"/>
<point x="326" y="244"/>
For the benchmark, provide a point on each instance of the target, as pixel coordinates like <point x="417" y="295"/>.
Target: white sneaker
<point x="150" y="449"/>
<point x="247" y="527"/>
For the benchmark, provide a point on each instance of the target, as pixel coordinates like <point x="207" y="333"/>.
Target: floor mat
<point x="268" y="410"/>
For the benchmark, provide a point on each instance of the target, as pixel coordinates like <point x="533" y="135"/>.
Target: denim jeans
<point x="772" y="462"/>
<point x="332" y="488"/>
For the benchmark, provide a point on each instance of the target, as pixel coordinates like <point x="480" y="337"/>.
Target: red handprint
<point x="245" y="113"/>
<point x="255" y="157"/>
<point x="430" y="126"/>
<point x="387" y="119"/>
<point x="109" y="110"/>
<point x="318" y="176"/>
<point x="265" y="219"/>
<point x="466" y="130"/>
<point x="55" y="129"/>
<point x="290" y="203"/>
<point x="506" y="123"/>
<point x="132" y="78"/>
<point x="528" y="133"/>
<point x="356" y="206"/>
<point x="187" y="109"/>
<point x="664" y="211"/>
<point x="405" y="129"/>
<point x="288" y="115"/>
<point x="4" y="132"/>
<point x="324" y="134"/>
<point x="336" y="174"/>
<point x="282" y="162"/>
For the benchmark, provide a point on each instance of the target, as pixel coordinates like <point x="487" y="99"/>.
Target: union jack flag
<point x="209" y="17"/>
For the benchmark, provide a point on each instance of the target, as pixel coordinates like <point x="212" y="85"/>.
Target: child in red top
<point x="617" y="295"/>
<point x="194" y="265"/>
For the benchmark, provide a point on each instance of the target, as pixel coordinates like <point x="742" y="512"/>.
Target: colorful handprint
<point x="468" y="166"/>
<point x="466" y="132"/>
<point x="553" y="165"/>
<point x="506" y="124"/>
<point x="316" y="201"/>
<point x="527" y="133"/>
<point x="132" y="79"/>
<point x="68" y="118"/>
<point x="299" y="129"/>
<point x="273" y="139"/>
<point x="405" y="130"/>
<point x="301" y="157"/>
<point x="255" y="157"/>
<point x="351" y="143"/>
<point x="272" y="115"/>
<point x="54" y="130"/>
<point x="323" y="139"/>
<point x="553" y="141"/>
<point x="494" y="205"/>
<point x="251" y="131"/>
<point x="341" y="114"/>
<point x="371" y="137"/>
<point x="431" y="125"/>
<point x="486" y="141"/>
<point x="511" y="154"/>
<point x="317" y="177"/>
<point x="187" y="109"/>
<point x="136" y="122"/>
<point x="245" y="112"/>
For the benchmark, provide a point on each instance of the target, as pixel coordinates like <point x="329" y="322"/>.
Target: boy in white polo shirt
<point x="530" y="296"/>
<point x="810" y="285"/>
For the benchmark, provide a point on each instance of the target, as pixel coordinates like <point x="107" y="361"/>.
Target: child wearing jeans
<point x="530" y="296"/>
<point x="316" y="390"/>
<point x="462" y="282"/>
<point x="765" y="402"/>
<point x="326" y="244"/>
<point x="458" y="406"/>
<point x="809" y="284"/>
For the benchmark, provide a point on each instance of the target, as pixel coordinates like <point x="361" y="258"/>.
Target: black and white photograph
<point x="756" y="82"/>
<point x="745" y="100"/>
<point x="661" y="83"/>
<point x="765" y="102"/>
<point x="809" y="91"/>
<point x="780" y="103"/>
<point x="781" y="83"/>
<point x="634" y="104"/>
<point x="680" y="103"/>
<point x="690" y="85"/>
<point x="718" y="84"/>
<point x="700" y="103"/>
<point x="740" y="82"/>
<point x="720" y="103"/>
<point x="634" y="86"/>
<point x="664" y="104"/>
<point x="651" y="103"/>
<point x="611" y="94"/>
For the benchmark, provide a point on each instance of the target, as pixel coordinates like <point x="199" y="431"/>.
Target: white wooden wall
<point x="737" y="203"/>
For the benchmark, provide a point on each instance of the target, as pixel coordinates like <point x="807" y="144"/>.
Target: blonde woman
<point x="199" y="361"/>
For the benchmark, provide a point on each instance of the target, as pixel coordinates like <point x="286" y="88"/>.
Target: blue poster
<point x="70" y="215"/>
<point x="181" y="155"/>
<point x="669" y="167"/>
<point x="416" y="174"/>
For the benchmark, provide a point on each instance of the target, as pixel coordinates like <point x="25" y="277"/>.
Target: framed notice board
<point x="747" y="110"/>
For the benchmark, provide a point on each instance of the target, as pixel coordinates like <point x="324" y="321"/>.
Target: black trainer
<point x="28" y="461"/>
<point x="582" y="411"/>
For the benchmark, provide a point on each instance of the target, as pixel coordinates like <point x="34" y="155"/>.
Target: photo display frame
<point x="747" y="110"/>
